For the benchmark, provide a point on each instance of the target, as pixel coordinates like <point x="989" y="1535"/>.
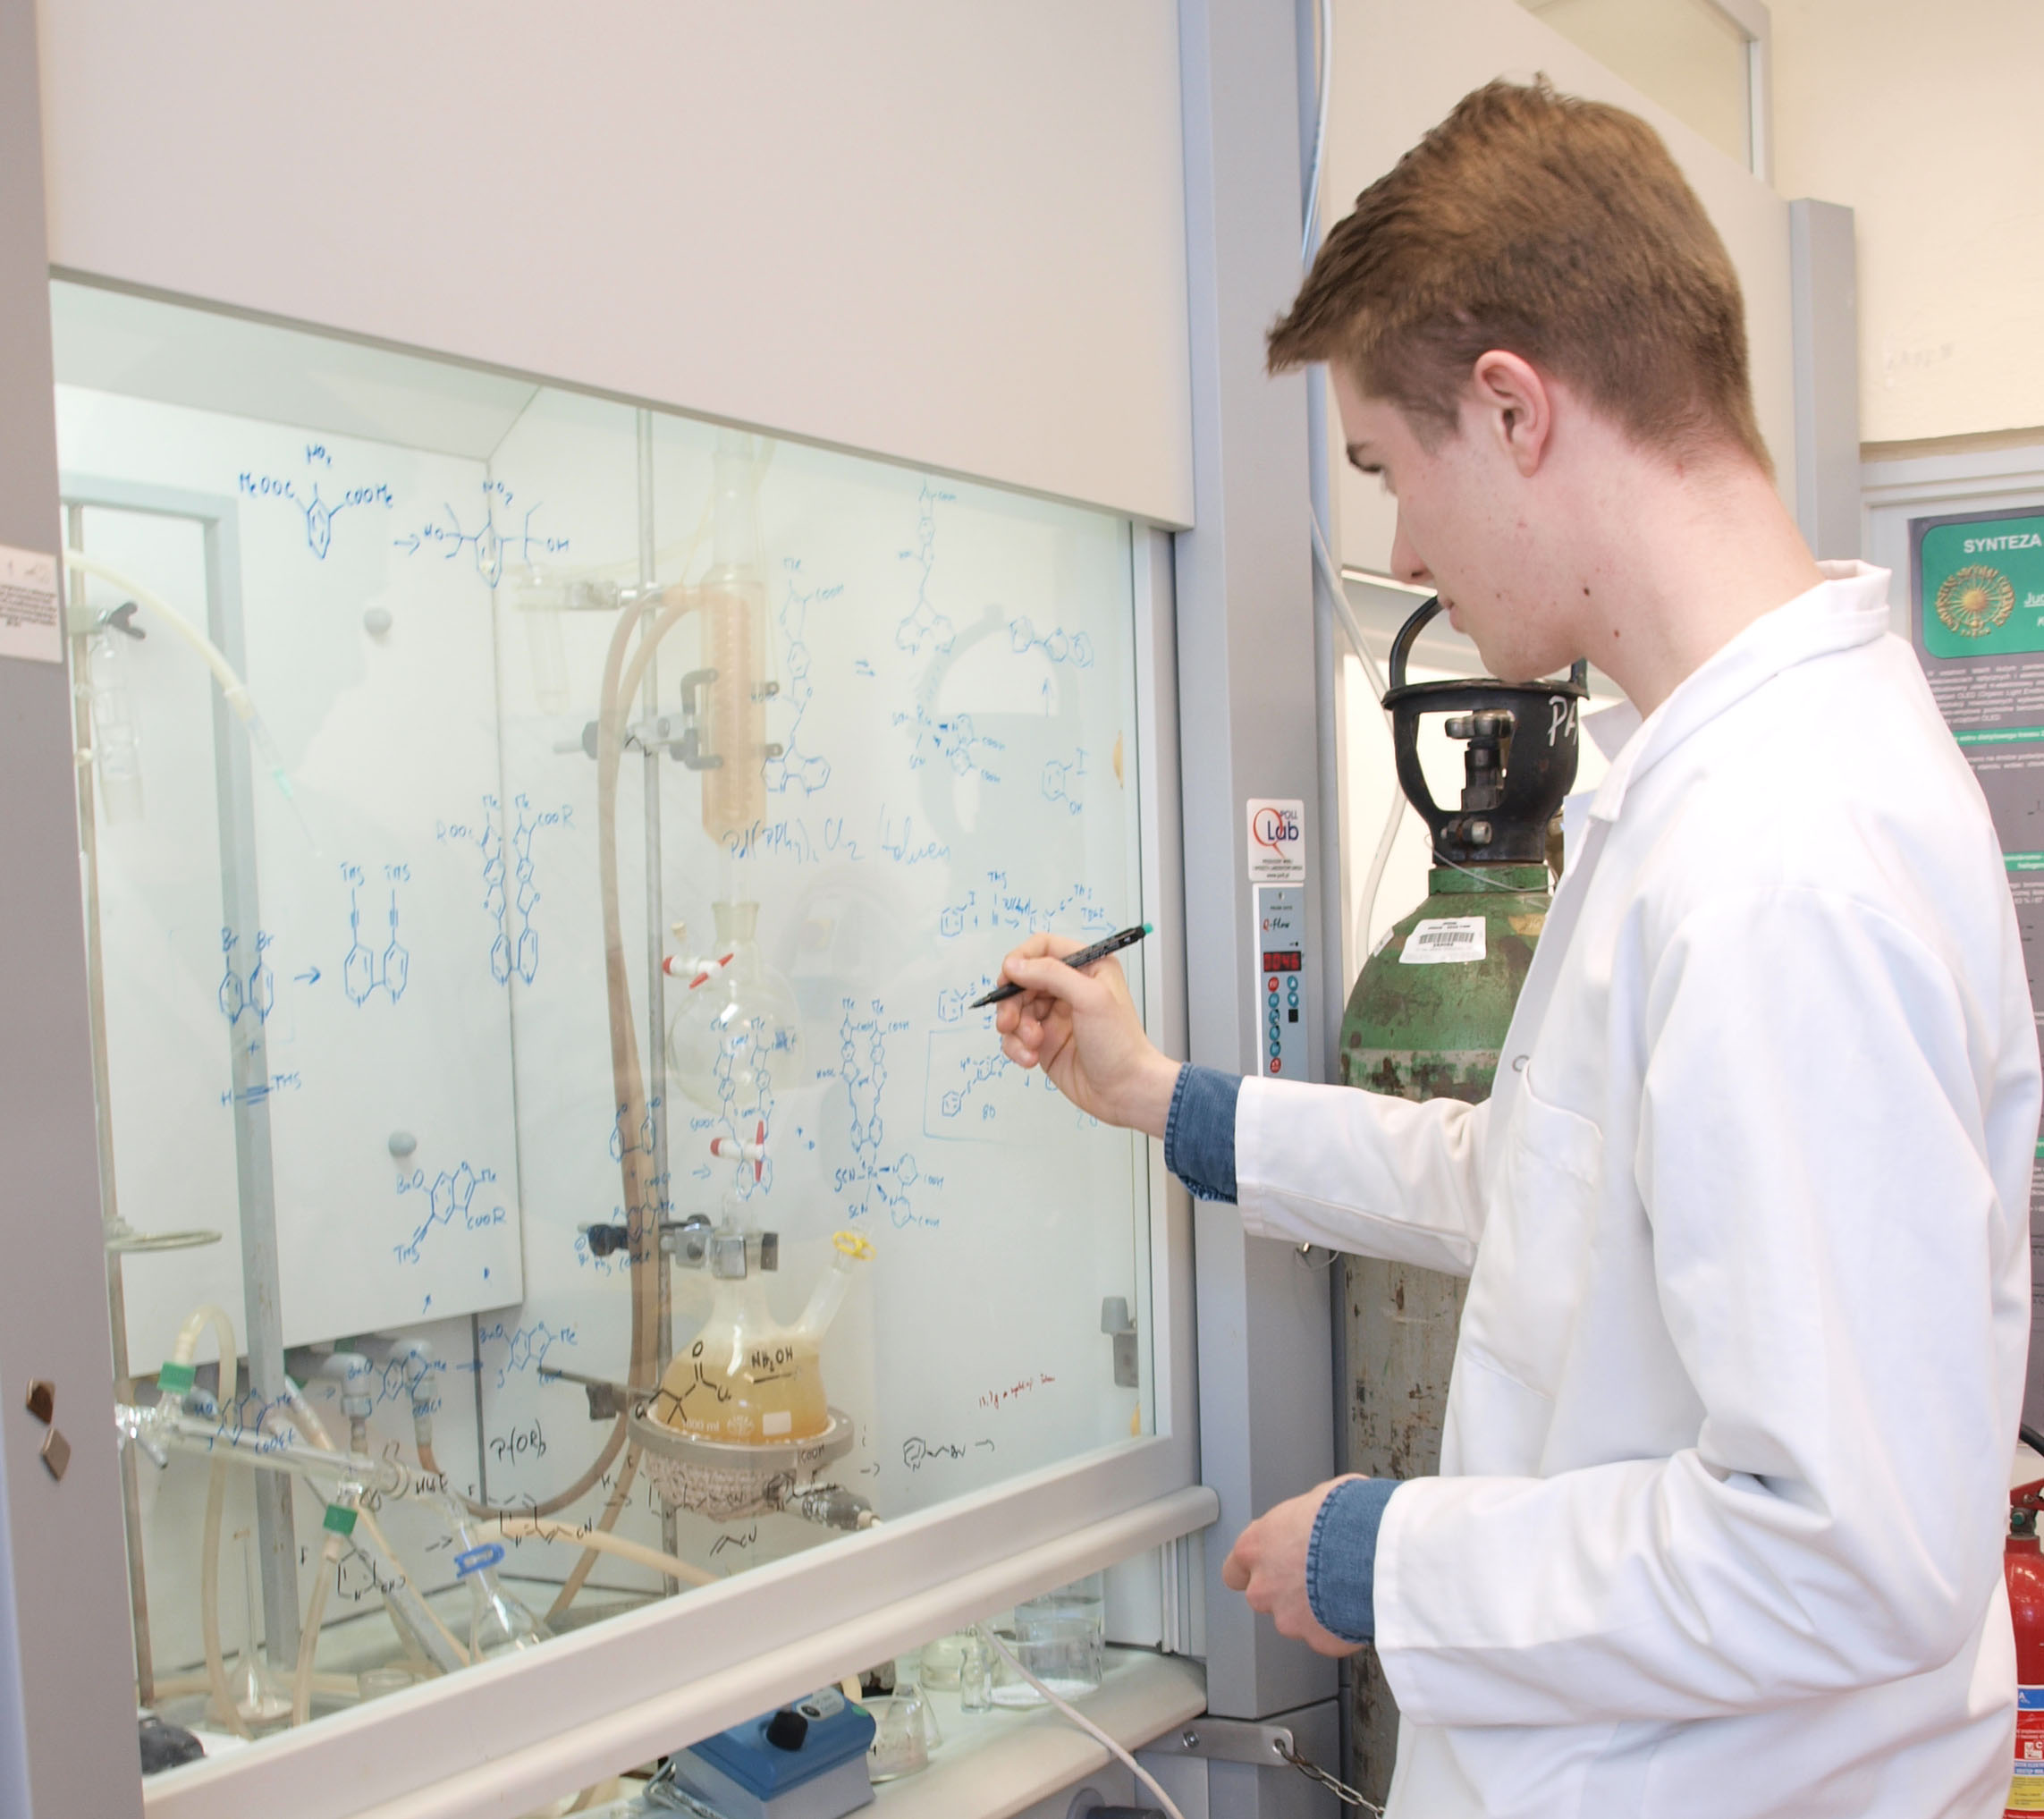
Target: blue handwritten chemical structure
<point x="953" y="1005"/>
<point x="924" y="624"/>
<point x="1061" y="647"/>
<point x="525" y="1347"/>
<point x="794" y="768"/>
<point x="1002" y="906"/>
<point x="503" y="533"/>
<point x="254" y="995"/>
<point x="318" y="514"/>
<point x="952" y="738"/>
<point x="871" y="1183"/>
<point x="1061" y="781"/>
<point x="289" y="1081"/>
<point x="508" y="902"/>
<point x="366" y="971"/>
<point x="449" y="1200"/>
<point x="973" y="1074"/>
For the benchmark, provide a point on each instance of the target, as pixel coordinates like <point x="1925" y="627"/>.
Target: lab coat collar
<point x="1848" y="607"/>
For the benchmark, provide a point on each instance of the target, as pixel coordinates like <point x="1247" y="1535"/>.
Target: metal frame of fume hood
<point x="67" y="1713"/>
<point x="506" y="1735"/>
<point x="1226" y="647"/>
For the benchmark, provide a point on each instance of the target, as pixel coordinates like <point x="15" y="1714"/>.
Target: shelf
<point x="997" y="1762"/>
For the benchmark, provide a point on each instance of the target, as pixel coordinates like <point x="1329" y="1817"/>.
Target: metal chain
<point x="1341" y="1791"/>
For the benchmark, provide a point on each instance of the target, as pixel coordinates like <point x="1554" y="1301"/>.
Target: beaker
<point x="1061" y="1638"/>
<point x="906" y="1735"/>
<point x="736" y="1039"/>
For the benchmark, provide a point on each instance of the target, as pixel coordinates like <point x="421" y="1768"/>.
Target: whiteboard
<point x="948" y="674"/>
<point x="378" y="1020"/>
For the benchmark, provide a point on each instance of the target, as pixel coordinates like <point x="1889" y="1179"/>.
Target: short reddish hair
<point x="1551" y="227"/>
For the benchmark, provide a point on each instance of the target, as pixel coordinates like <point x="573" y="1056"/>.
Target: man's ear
<point x="1515" y="406"/>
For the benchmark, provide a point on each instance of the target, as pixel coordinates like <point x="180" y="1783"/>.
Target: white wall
<point x="1400" y="65"/>
<point x="953" y="235"/>
<point x="1687" y="54"/>
<point x="1925" y="121"/>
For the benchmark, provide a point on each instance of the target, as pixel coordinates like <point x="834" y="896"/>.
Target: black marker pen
<point x="1085" y="957"/>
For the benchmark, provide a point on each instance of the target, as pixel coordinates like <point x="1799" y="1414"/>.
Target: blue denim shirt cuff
<point x="1199" y="1132"/>
<point x="1341" y="1558"/>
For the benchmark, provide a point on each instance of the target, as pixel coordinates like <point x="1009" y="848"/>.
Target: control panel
<point x="1280" y="980"/>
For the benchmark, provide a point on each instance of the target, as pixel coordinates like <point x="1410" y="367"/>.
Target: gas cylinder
<point x="2022" y="1566"/>
<point x="1426" y="1019"/>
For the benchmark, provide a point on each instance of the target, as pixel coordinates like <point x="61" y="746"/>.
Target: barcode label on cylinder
<point x="1444" y="940"/>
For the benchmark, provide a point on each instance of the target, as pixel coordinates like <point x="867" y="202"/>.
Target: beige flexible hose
<point x="574" y="1493"/>
<point x="308" y="1636"/>
<point x="229" y="1712"/>
<point x="533" y="1529"/>
<point x="607" y="1521"/>
<point x="306" y="1418"/>
<point x="627" y="1075"/>
<point x="183" y="1350"/>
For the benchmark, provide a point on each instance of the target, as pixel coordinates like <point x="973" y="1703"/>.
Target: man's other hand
<point x="1082" y="1029"/>
<point x="1268" y="1566"/>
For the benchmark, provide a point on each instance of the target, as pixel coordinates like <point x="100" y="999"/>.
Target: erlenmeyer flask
<point x="498" y="1623"/>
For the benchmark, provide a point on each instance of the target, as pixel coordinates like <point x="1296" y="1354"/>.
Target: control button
<point x="1272" y="982"/>
<point x="1277" y="1066"/>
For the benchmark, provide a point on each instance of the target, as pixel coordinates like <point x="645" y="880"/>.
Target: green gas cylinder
<point x="1426" y="1019"/>
<point x="1428" y="1014"/>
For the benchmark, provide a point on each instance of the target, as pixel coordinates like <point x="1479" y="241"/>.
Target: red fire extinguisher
<point x="2023" y="1564"/>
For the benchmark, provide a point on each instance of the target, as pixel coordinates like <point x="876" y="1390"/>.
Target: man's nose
<point x="1406" y="562"/>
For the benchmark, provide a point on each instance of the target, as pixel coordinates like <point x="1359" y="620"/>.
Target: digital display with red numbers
<point x="1281" y="962"/>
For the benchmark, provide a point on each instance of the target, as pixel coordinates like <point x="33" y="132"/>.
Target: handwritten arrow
<point x="310" y="976"/>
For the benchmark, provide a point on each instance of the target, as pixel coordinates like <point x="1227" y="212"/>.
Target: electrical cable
<point x="1310" y="238"/>
<point x="1323" y="561"/>
<point x="1071" y="1715"/>
<point x="1337" y="597"/>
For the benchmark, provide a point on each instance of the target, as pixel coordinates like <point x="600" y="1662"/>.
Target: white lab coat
<point x="1724" y="1484"/>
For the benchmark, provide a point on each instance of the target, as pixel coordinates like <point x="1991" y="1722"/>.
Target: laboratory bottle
<point x="750" y="1378"/>
<point x="734" y="1040"/>
<point x="731" y="609"/>
<point x="498" y="1624"/>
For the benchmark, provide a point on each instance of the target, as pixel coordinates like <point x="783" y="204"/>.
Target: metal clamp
<point x="1117" y="1323"/>
<point x="1227" y="1739"/>
<point x="1259" y="1746"/>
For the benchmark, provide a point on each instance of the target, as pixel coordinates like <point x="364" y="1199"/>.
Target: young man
<point x="1719" y="1524"/>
